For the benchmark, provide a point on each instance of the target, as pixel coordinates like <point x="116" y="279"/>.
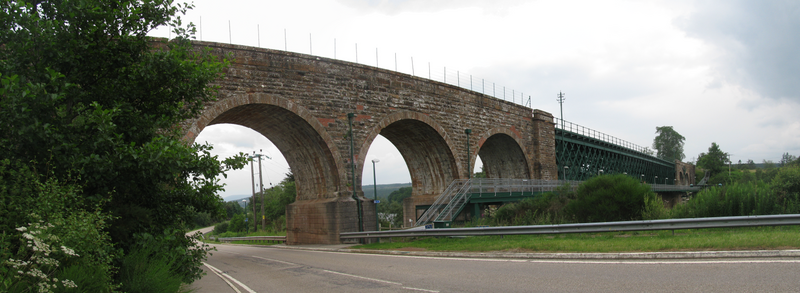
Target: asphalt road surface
<point x="269" y="269"/>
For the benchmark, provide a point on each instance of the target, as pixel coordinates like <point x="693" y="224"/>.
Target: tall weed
<point x="737" y="199"/>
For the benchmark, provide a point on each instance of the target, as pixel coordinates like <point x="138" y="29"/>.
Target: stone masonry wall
<point x="300" y="102"/>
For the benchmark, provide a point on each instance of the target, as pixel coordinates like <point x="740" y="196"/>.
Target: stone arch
<point x="301" y="138"/>
<point x="425" y="146"/>
<point x="502" y="153"/>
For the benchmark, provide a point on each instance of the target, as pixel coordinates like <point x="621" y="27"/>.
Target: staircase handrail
<point x="458" y="201"/>
<point x="431" y="212"/>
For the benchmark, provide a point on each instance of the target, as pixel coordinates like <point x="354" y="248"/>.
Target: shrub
<point x="542" y="210"/>
<point x="786" y="185"/>
<point x="221" y="228"/>
<point x="607" y="198"/>
<point x="237" y="223"/>
<point x="279" y="224"/>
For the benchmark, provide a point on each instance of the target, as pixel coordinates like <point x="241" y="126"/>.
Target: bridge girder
<point x="580" y="157"/>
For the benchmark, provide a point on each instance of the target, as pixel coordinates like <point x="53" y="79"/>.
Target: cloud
<point x="393" y="7"/>
<point x="757" y="43"/>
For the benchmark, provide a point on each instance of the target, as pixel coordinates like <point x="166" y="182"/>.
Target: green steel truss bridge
<point x="463" y="197"/>
<point x="582" y="153"/>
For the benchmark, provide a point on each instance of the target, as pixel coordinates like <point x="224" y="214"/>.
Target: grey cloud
<point x="757" y="42"/>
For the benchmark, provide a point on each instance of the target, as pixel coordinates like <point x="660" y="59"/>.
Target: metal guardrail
<point x="253" y="238"/>
<point x="670" y="224"/>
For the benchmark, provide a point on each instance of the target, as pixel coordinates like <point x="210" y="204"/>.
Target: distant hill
<point x="383" y="189"/>
<point x="383" y="192"/>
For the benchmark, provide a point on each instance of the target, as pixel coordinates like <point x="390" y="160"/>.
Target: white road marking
<point x="420" y="289"/>
<point x="349" y="275"/>
<point x="231" y="278"/>
<point x="223" y="278"/>
<point x="365" y="278"/>
<point x="275" y="260"/>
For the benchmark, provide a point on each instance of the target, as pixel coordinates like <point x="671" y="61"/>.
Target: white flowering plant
<point x="35" y="265"/>
<point x="51" y="240"/>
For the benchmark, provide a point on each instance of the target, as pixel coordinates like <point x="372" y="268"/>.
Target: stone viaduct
<point x="301" y="103"/>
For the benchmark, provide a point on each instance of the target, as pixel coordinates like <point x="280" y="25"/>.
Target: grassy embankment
<point x="768" y="238"/>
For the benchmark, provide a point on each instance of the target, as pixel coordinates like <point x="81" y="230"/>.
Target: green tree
<point x="90" y="98"/>
<point x="279" y="197"/>
<point x="714" y="161"/>
<point x="400" y="194"/>
<point x="481" y="174"/>
<point x="232" y="208"/>
<point x="787" y="159"/>
<point x="669" y="144"/>
<point x="391" y="210"/>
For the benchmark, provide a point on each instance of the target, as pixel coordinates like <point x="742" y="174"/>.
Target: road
<point x="269" y="269"/>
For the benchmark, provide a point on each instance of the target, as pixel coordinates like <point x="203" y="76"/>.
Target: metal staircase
<point x="705" y="179"/>
<point x="457" y="203"/>
<point x="442" y="202"/>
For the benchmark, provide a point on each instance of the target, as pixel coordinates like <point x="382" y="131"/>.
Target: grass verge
<point x="653" y="241"/>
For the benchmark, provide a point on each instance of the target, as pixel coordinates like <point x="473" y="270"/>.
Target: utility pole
<point x="263" y="201"/>
<point x="561" y="107"/>
<point x="253" y="179"/>
<point x="261" y="189"/>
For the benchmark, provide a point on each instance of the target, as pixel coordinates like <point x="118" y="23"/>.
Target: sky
<point x="717" y="71"/>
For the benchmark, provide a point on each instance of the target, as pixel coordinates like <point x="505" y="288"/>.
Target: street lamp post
<point x="566" y="168"/>
<point x="375" y="192"/>
<point x="654" y="180"/>
<point x="247" y="229"/>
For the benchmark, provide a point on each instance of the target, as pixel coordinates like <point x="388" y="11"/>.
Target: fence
<point x="588" y="132"/>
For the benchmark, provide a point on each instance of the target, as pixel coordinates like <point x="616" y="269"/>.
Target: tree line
<point x="276" y="199"/>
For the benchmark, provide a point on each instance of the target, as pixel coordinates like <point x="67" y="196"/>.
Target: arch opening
<point x="231" y="139"/>
<point x="502" y="157"/>
<point x="305" y="151"/>
<point x="431" y="164"/>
